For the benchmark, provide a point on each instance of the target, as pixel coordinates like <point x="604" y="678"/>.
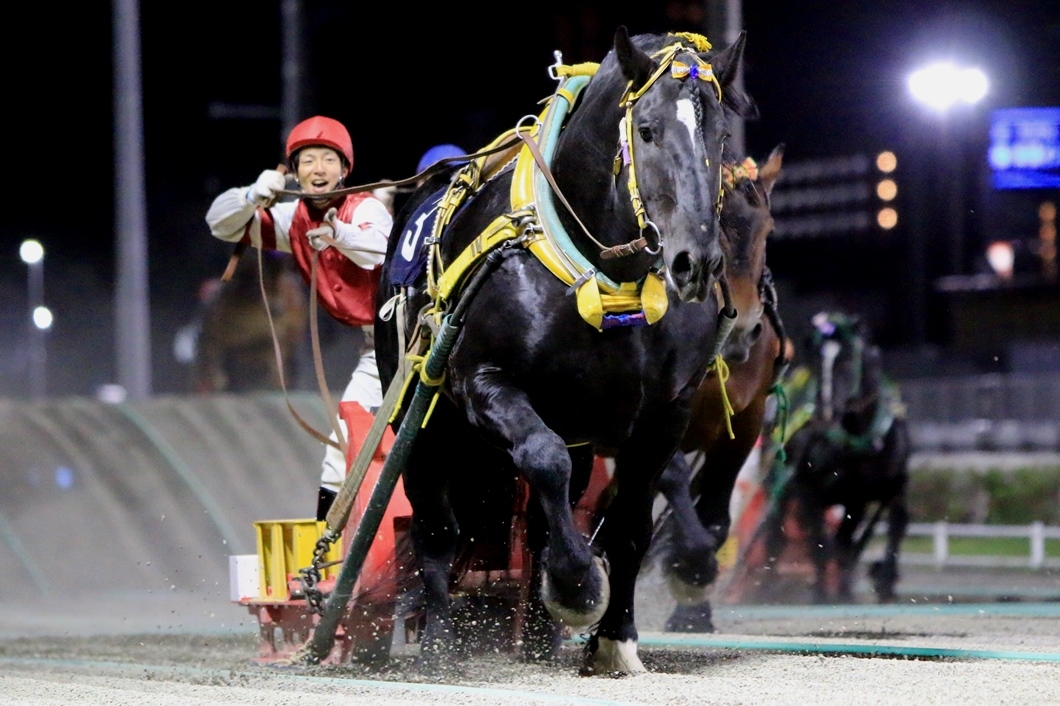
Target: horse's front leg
<point x="690" y="564"/>
<point x="542" y="635"/>
<point x="625" y="535"/>
<point x="884" y="573"/>
<point x="846" y="553"/>
<point x="723" y="459"/>
<point x="811" y="511"/>
<point x="574" y="584"/>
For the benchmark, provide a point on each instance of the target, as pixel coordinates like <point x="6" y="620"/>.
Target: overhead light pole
<point x="945" y="90"/>
<point x="39" y="319"/>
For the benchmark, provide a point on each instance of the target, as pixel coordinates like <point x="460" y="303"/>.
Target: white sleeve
<point x="231" y="211"/>
<point x="364" y="239"/>
<point x="229" y="214"/>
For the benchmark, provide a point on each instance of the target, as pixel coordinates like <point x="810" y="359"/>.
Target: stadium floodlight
<point x="943" y="85"/>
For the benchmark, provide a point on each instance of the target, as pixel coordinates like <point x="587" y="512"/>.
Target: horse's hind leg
<point x="434" y="534"/>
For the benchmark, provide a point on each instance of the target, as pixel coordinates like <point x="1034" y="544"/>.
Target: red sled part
<point x="365" y="631"/>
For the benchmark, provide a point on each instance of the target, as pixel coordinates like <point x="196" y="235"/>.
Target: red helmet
<point x="321" y="131"/>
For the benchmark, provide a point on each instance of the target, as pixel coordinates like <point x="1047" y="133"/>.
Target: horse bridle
<point x="700" y="70"/>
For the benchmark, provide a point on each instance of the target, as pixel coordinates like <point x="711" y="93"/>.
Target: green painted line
<point x="843" y="648"/>
<point x="7" y="532"/>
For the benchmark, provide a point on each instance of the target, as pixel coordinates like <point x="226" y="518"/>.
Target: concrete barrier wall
<point x="147" y="496"/>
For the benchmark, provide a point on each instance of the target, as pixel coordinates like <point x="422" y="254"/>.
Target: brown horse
<point x="235" y="350"/>
<point x="752" y="360"/>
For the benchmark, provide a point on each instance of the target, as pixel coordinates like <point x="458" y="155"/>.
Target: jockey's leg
<point x="365" y="389"/>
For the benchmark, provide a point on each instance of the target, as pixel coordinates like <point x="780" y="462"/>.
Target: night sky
<point x="828" y="78"/>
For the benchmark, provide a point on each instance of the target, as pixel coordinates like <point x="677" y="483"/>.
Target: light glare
<point x="886" y="190"/>
<point x="887" y="218"/>
<point x="42" y="318"/>
<point x="1001" y="257"/>
<point x="31" y="251"/>
<point x="886" y="162"/>
<point x="943" y="85"/>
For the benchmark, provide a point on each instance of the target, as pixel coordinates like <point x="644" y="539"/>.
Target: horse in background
<point x="234" y="348"/>
<point x="852" y="453"/>
<point x="583" y="321"/>
<point x="729" y="407"/>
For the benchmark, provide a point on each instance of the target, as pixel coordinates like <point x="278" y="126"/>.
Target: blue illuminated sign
<point x="1025" y="148"/>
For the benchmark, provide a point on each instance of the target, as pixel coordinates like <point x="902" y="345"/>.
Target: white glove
<point x="326" y="228"/>
<point x="263" y="193"/>
<point x="386" y="195"/>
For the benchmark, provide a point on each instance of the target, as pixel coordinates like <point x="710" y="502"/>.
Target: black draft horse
<point x="729" y="408"/>
<point x="586" y="330"/>
<point x="853" y="452"/>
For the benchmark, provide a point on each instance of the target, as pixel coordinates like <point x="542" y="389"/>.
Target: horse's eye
<point x="645" y="134"/>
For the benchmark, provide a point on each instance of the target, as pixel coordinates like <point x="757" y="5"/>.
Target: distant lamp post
<point x="1001" y="258"/>
<point x="40" y="317"/>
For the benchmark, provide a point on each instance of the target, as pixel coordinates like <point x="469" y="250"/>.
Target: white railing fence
<point x="941" y="532"/>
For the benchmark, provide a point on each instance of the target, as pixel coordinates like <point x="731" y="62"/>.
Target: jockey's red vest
<point x="344" y="289"/>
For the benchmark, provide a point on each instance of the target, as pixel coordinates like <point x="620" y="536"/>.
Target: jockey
<point x="436" y="153"/>
<point x="320" y="152"/>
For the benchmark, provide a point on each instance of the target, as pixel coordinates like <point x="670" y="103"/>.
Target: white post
<point x="940" y="539"/>
<point x="1037" y="545"/>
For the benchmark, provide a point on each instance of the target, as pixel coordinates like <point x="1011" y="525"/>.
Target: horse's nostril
<point x="756" y="332"/>
<point x="682" y="268"/>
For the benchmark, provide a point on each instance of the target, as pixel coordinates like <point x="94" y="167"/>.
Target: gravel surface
<point x="201" y="649"/>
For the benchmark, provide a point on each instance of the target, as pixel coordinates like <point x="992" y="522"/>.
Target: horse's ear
<point x="636" y="65"/>
<point x="726" y="63"/>
<point x="769" y="172"/>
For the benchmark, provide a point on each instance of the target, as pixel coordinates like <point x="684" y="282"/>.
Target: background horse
<point x="585" y="330"/>
<point x="854" y="453"/>
<point x="234" y="349"/>
<point x="696" y="522"/>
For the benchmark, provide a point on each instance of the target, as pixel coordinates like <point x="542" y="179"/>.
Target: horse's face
<point x="746" y="223"/>
<point x="676" y="136"/>
<point x="839" y="348"/>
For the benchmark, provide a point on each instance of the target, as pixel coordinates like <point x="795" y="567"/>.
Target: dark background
<point x="828" y="78"/>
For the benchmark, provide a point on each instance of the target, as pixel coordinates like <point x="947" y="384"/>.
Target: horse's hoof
<point x="690" y="618"/>
<point x="612" y="658"/>
<point x="884" y="576"/>
<point x="593" y="609"/>
<point x="685" y="593"/>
